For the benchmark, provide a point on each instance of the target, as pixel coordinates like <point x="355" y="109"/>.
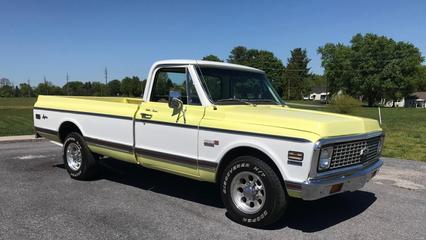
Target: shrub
<point x="344" y="103"/>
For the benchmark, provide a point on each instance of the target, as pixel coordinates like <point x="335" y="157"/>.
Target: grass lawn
<point x="16" y="116"/>
<point x="14" y="103"/>
<point x="405" y="128"/>
<point x="16" y="122"/>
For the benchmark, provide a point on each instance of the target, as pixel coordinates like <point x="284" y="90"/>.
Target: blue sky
<point x="50" y="38"/>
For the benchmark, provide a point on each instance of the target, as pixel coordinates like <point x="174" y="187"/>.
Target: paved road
<point x="39" y="201"/>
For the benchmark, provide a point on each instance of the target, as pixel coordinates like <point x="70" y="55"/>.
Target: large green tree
<point x="99" y="89"/>
<point x="74" y="88"/>
<point x="261" y="59"/>
<point x="338" y="71"/>
<point x="47" y="88"/>
<point x="297" y="74"/>
<point x="372" y="66"/>
<point x="131" y="86"/>
<point x="213" y="58"/>
<point x="26" y="90"/>
<point x="6" y="91"/>
<point x="114" y="87"/>
<point x="419" y="80"/>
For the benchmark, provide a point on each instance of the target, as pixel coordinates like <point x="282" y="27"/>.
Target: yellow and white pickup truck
<point x="222" y="123"/>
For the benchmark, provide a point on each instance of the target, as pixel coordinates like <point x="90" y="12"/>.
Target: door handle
<point x="146" y="116"/>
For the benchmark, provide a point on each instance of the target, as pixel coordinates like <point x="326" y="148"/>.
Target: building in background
<point x="416" y="100"/>
<point x="318" y="94"/>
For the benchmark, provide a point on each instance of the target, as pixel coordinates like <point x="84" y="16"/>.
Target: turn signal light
<point x="336" y="188"/>
<point x="295" y="156"/>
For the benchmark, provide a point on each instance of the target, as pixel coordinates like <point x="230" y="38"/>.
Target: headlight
<point x="325" y="158"/>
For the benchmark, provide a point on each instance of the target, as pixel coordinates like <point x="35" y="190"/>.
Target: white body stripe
<point x="115" y="130"/>
<point x="276" y="150"/>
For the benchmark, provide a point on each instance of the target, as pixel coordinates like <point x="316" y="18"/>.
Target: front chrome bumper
<point x="320" y="187"/>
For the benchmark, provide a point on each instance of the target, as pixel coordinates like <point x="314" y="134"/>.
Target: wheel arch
<point x="66" y="128"/>
<point x="251" y="151"/>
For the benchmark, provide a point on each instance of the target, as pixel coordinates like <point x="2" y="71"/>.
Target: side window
<point x="174" y="79"/>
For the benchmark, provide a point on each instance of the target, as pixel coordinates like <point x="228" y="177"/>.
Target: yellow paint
<point x="170" y="167"/>
<point x="294" y="193"/>
<point x="49" y="136"/>
<point x="286" y="121"/>
<point x="207" y="175"/>
<point x="124" y="156"/>
<point x="117" y="106"/>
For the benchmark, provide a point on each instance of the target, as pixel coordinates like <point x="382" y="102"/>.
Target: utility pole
<point x="29" y="87"/>
<point x="45" y="85"/>
<point x="106" y="79"/>
<point x="66" y="89"/>
<point x="106" y="76"/>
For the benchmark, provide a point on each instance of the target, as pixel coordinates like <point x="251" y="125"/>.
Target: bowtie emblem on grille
<point x="363" y="151"/>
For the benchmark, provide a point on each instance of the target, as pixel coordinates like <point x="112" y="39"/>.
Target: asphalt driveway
<point x="38" y="200"/>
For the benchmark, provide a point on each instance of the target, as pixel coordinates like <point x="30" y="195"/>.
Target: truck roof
<point x="205" y="63"/>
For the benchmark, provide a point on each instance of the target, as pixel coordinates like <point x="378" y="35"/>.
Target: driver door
<point x="166" y="138"/>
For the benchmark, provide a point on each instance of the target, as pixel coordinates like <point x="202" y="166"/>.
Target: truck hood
<point x="323" y="124"/>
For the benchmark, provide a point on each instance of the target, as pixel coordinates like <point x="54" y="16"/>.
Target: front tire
<point x="252" y="192"/>
<point x="78" y="159"/>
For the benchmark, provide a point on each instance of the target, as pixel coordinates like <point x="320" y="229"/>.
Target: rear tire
<point x="252" y="192"/>
<point x="78" y="159"/>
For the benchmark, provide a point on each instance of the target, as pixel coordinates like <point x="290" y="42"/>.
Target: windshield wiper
<point x="264" y="100"/>
<point x="230" y="100"/>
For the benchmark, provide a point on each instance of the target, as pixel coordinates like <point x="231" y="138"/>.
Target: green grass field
<point x="16" y="116"/>
<point x="405" y="128"/>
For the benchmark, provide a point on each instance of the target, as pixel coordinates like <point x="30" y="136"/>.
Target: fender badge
<point x="211" y="143"/>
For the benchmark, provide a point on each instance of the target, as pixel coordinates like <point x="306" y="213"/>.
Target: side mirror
<point x="174" y="100"/>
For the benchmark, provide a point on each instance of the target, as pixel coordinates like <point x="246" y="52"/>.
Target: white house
<point x="319" y="94"/>
<point x="417" y="100"/>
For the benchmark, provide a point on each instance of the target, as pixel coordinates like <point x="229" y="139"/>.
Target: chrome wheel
<point x="248" y="192"/>
<point x="74" y="157"/>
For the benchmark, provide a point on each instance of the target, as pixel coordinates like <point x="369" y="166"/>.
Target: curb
<point x="21" y="138"/>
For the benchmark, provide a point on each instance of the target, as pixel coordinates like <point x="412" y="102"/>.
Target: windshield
<point x="233" y="86"/>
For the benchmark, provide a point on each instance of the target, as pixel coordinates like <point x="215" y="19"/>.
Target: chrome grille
<point x="351" y="153"/>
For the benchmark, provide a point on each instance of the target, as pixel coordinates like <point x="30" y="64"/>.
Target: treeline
<point x="128" y="86"/>
<point x="292" y="81"/>
<point x="370" y="68"/>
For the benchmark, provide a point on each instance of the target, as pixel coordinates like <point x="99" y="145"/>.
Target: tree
<point x="114" y="88"/>
<point x="419" y="80"/>
<point x="26" y="90"/>
<point x="5" y="82"/>
<point x="338" y="71"/>
<point x="213" y="58"/>
<point x="373" y="67"/>
<point x="17" y="92"/>
<point x="316" y="80"/>
<point x="131" y="87"/>
<point x="296" y="74"/>
<point x="74" y="88"/>
<point x="98" y="89"/>
<point x="47" y="88"/>
<point x="6" y="91"/>
<point x="263" y="60"/>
